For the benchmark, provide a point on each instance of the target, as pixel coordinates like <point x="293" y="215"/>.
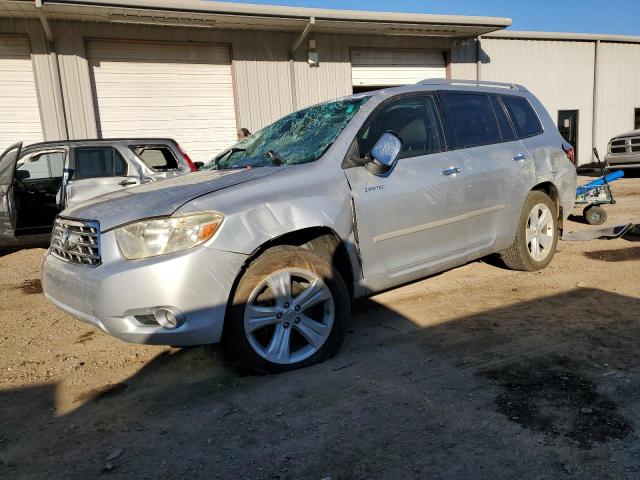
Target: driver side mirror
<point x="384" y="154"/>
<point x="198" y="165"/>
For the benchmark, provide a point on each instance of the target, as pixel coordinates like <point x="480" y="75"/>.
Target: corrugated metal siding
<point x="619" y="90"/>
<point x="560" y="74"/>
<point x="160" y="89"/>
<point x="463" y="59"/>
<point x="19" y="110"/>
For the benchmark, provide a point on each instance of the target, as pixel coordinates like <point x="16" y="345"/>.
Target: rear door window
<point x="506" y="129"/>
<point x="415" y="120"/>
<point x="95" y="162"/>
<point x="471" y="119"/>
<point x="156" y="157"/>
<point x="523" y="116"/>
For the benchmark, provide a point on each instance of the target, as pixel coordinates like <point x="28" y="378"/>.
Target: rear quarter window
<point x="471" y="119"/>
<point x="523" y="116"/>
<point x="156" y="157"/>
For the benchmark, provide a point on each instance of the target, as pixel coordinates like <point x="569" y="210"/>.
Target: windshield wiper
<point x="275" y="158"/>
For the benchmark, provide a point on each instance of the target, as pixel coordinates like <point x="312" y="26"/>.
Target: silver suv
<point x="265" y="248"/>
<point x="38" y="181"/>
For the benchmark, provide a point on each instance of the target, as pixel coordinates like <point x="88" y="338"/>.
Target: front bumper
<point x="197" y="282"/>
<point x="623" y="160"/>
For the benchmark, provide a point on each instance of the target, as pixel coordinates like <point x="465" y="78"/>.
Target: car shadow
<point x="615" y="255"/>
<point x="504" y="392"/>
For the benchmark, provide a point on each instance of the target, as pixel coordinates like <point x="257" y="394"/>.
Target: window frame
<point x="513" y="122"/>
<point x="94" y="147"/>
<point x="505" y="112"/>
<point x="151" y="146"/>
<point x="353" y="152"/>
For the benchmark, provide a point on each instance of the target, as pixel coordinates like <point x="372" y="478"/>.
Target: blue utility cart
<point x="597" y="193"/>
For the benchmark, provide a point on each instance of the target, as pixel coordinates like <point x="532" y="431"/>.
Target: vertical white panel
<point x="19" y="110"/>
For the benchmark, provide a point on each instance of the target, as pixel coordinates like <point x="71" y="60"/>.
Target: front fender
<point x="305" y="196"/>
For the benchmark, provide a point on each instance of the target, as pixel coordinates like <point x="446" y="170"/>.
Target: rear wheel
<point x="595" y="215"/>
<point x="290" y="310"/>
<point x="536" y="237"/>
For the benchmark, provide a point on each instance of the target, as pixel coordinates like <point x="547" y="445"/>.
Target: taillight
<point x="571" y="155"/>
<point x="192" y="167"/>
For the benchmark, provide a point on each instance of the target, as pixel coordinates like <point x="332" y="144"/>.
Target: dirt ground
<point x="479" y="372"/>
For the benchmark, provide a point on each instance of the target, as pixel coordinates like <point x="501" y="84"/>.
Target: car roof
<point x="94" y="141"/>
<point x="435" y="84"/>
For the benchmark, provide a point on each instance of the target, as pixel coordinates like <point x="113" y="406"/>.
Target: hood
<point x="632" y="133"/>
<point x="157" y="199"/>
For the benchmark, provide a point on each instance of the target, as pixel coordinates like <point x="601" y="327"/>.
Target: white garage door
<point x="19" y="112"/>
<point x="171" y="90"/>
<point x="384" y="68"/>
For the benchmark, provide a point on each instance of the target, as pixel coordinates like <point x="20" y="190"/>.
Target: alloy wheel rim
<point x="289" y="316"/>
<point x="540" y="232"/>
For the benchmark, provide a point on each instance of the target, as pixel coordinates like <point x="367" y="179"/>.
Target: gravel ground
<point x="479" y="372"/>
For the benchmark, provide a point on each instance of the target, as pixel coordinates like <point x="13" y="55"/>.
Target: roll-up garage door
<point x="19" y="111"/>
<point x="177" y="90"/>
<point x="384" y="68"/>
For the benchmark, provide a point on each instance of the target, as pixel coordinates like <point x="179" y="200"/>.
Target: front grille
<point x="625" y="145"/>
<point x="76" y="242"/>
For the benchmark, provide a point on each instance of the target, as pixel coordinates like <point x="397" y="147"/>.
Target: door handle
<point x="451" y="171"/>
<point x="519" y="158"/>
<point x="128" y="182"/>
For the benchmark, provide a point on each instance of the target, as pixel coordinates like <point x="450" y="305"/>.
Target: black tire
<point x="518" y="257"/>
<point x="595" y="215"/>
<point x="277" y="258"/>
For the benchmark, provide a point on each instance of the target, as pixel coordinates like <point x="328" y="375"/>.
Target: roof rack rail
<point x="476" y="83"/>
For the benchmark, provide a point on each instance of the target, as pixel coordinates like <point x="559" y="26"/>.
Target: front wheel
<point x="536" y="237"/>
<point x="290" y="310"/>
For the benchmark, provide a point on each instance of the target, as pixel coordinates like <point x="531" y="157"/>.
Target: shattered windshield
<point x="300" y="137"/>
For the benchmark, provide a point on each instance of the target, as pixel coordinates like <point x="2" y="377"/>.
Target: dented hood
<point x="161" y="198"/>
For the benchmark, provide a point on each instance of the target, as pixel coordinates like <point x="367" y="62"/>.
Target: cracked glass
<point x="300" y="137"/>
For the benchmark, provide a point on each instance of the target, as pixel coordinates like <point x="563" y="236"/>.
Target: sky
<point x="620" y="17"/>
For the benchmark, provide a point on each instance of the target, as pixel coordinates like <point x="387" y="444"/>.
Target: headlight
<point x="159" y="236"/>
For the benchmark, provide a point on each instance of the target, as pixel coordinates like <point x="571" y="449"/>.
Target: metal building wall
<point x="260" y="66"/>
<point x="51" y="115"/>
<point x="332" y="78"/>
<point x="463" y="59"/>
<point x="260" y="60"/>
<point x="559" y="73"/>
<point x="618" y="90"/>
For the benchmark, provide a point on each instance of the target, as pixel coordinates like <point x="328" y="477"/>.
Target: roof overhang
<point x="222" y="15"/>
<point x="563" y="36"/>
